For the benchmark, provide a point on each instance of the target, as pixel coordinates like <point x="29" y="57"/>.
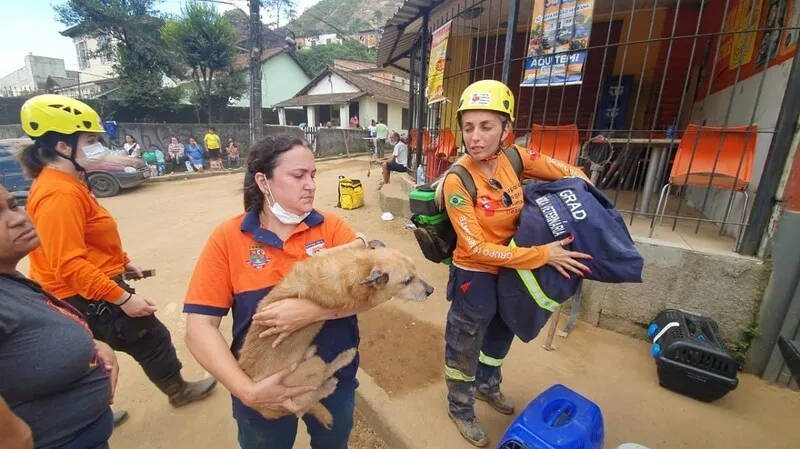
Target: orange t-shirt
<point x="81" y="249"/>
<point x="485" y="228"/>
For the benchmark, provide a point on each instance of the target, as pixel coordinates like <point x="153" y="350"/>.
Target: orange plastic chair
<point x="509" y="140"/>
<point x="722" y="157"/>
<point x="446" y="145"/>
<point x="426" y="139"/>
<point x="560" y="142"/>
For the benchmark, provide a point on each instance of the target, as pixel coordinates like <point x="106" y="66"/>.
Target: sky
<point x="30" y="26"/>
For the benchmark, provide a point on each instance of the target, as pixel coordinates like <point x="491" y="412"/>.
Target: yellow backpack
<point x="351" y="193"/>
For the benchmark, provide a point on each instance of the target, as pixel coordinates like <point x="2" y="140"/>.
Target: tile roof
<point x="320" y="99"/>
<point x="364" y="85"/>
<point x="243" y="61"/>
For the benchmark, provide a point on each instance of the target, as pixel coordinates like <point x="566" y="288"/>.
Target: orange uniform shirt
<point x="485" y="228"/>
<point x="81" y="249"/>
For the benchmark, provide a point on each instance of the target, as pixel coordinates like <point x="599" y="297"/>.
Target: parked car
<point x="106" y="176"/>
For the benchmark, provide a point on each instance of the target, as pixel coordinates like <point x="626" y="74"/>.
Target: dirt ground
<point x="164" y="226"/>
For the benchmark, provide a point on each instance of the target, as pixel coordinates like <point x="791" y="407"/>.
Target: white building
<point x="33" y="76"/>
<point x="336" y="95"/>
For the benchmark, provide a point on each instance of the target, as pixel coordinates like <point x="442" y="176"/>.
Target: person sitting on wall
<point x="397" y="161"/>
<point x="175" y="156"/>
<point x="196" y="156"/>
<point x="234" y="161"/>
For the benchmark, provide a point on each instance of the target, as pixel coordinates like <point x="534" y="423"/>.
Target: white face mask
<point x="283" y="215"/>
<point x="94" y="151"/>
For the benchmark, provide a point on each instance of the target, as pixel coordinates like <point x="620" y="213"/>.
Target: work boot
<point x="471" y="430"/>
<point x="120" y="417"/>
<point x="497" y="400"/>
<point x="182" y="393"/>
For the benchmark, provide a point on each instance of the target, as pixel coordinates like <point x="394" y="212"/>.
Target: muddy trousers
<point x="146" y="339"/>
<point x="476" y="339"/>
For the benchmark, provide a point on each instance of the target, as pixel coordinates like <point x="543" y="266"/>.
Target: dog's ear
<point x="376" y="279"/>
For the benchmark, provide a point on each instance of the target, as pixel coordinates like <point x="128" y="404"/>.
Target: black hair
<point x="36" y="156"/>
<point x="263" y="158"/>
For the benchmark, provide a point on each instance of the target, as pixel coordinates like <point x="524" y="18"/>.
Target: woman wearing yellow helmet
<point x="81" y="259"/>
<point x="477" y="339"/>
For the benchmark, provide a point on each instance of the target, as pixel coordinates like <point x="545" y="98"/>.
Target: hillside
<point x="349" y="16"/>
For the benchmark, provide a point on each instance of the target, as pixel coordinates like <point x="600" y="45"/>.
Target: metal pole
<point x="779" y="149"/>
<point x="422" y="104"/>
<point x="256" y="122"/>
<point x="775" y="317"/>
<point x="513" y="13"/>
<point x="412" y="76"/>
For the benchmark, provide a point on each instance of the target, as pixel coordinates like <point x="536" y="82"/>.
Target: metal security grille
<point x="678" y="109"/>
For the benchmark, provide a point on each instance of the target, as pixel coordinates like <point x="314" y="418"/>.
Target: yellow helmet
<point x="57" y="113"/>
<point x="487" y="95"/>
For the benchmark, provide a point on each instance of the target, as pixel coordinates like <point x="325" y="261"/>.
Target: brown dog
<point x="341" y="278"/>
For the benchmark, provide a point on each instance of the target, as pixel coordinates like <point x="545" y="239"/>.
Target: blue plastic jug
<point x="559" y="418"/>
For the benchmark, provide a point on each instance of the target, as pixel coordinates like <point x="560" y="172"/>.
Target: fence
<point x="677" y="107"/>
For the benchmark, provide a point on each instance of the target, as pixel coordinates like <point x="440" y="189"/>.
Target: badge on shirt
<point x="315" y="247"/>
<point x="456" y="200"/>
<point x="258" y="257"/>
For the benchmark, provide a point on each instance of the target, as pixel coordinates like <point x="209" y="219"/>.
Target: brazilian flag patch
<point x="456" y="200"/>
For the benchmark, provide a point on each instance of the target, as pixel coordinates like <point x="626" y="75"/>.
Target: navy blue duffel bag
<point x="552" y="211"/>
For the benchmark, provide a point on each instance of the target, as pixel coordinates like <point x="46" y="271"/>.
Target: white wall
<point x="712" y="111"/>
<point x="97" y="69"/>
<point x="367" y="110"/>
<point x="332" y="84"/>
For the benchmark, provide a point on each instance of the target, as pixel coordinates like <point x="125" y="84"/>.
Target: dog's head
<point x="395" y="273"/>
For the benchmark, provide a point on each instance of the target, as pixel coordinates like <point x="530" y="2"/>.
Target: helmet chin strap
<point x="73" y="141"/>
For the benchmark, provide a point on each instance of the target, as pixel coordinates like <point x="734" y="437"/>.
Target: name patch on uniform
<point x="315" y="247"/>
<point x="258" y="257"/>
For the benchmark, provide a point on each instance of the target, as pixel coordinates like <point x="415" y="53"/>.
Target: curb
<point x="377" y="409"/>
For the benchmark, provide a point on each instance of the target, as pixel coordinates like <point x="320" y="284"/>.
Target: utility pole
<point x="256" y="122"/>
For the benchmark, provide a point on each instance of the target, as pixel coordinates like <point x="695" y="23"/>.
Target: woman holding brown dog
<point x="242" y="260"/>
<point x="477" y="340"/>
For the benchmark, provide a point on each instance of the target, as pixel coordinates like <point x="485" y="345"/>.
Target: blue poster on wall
<point x="612" y="110"/>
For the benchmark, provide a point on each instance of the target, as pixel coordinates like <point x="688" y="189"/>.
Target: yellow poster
<point x="437" y="62"/>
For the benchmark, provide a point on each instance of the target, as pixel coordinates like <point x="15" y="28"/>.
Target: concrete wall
<point x="332" y="84"/>
<point x="158" y="134"/>
<point x="727" y="288"/>
<point x="11" y="131"/>
<point x="97" y="69"/>
<point x="331" y="142"/>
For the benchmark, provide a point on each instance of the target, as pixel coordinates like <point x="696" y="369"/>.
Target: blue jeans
<point x="281" y="433"/>
<point x="95" y="435"/>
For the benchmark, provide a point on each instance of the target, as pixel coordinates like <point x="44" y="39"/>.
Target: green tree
<point x="204" y="41"/>
<point x="141" y="62"/>
<point x="318" y="57"/>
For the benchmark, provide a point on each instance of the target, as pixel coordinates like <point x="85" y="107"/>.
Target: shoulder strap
<point x="466" y="179"/>
<point x="516" y="160"/>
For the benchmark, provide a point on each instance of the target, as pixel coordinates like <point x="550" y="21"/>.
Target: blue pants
<point x="95" y="435"/>
<point x="259" y="433"/>
<point x="476" y="339"/>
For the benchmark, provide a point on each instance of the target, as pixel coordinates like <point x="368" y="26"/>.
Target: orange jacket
<point x="81" y="249"/>
<point x="485" y="228"/>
